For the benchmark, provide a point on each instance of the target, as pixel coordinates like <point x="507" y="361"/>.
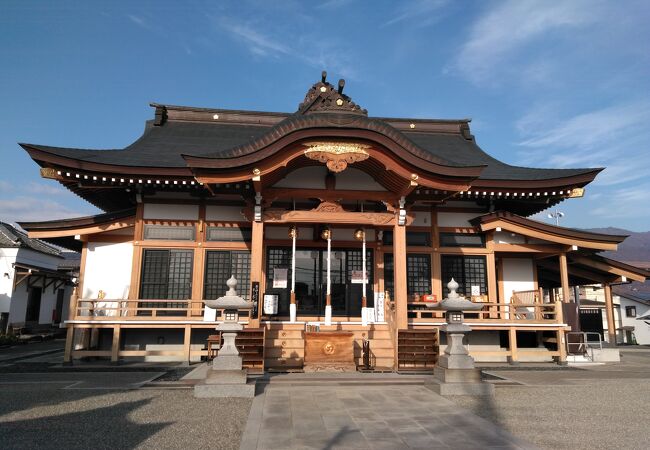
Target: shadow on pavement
<point x="105" y="427"/>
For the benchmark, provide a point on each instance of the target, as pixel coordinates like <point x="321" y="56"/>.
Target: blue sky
<point x="547" y="84"/>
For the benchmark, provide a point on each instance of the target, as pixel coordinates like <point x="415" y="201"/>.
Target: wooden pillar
<point x="399" y="261"/>
<point x="115" y="348"/>
<point x="436" y="259"/>
<point x="609" y="305"/>
<point x="561" y="346"/>
<point x="257" y="254"/>
<point x="514" y="357"/>
<point x="564" y="278"/>
<point x="138" y="234"/>
<point x="187" y="343"/>
<point x="69" y="344"/>
<point x="491" y="269"/>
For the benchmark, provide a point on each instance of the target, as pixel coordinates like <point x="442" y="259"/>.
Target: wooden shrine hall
<point x="343" y="230"/>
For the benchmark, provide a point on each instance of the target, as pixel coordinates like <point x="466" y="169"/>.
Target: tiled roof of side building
<point x="11" y="237"/>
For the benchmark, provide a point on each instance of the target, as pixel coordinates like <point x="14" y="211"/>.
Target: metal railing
<point x="583" y="345"/>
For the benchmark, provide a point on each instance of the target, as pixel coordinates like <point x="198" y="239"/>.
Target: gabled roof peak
<point x="323" y="97"/>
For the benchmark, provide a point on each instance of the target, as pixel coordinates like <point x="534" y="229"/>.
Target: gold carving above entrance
<point x="337" y="155"/>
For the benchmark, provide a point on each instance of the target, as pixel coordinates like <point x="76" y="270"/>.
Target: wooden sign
<point x="356" y="277"/>
<point x="255" y="296"/>
<point x="270" y="304"/>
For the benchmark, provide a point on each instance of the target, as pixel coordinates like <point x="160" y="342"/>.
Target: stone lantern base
<point x="455" y="373"/>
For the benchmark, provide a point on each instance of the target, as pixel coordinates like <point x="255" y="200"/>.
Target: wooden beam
<point x="524" y="231"/>
<point x="603" y="267"/>
<point x="330" y="195"/>
<point x="399" y="261"/>
<point x="529" y="248"/>
<point x="609" y="305"/>
<point x="272" y="216"/>
<point x="116" y="225"/>
<point x="564" y="277"/>
<point x="575" y="271"/>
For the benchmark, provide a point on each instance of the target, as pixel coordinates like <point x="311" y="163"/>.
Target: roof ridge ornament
<point x="323" y="97"/>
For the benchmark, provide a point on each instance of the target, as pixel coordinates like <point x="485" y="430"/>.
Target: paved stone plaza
<point x="597" y="406"/>
<point x="329" y="416"/>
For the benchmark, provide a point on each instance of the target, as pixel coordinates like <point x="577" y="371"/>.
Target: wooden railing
<point x="143" y="309"/>
<point x="493" y="312"/>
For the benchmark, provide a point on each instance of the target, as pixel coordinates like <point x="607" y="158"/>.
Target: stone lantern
<point x="455" y="373"/>
<point x="227" y="378"/>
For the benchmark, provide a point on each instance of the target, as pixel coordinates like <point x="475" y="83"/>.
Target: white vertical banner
<point x="379" y="307"/>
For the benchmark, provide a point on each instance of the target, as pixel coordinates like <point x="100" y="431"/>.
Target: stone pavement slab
<point x="391" y="416"/>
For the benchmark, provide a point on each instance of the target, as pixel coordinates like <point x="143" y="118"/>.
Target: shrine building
<point x="331" y="220"/>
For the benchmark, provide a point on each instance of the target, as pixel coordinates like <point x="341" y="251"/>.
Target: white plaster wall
<point x="108" y="268"/>
<point x="504" y="237"/>
<point x="7" y="258"/>
<point x="171" y="211"/>
<point x="422" y="219"/>
<point x="304" y="234"/>
<point x="347" y="234"/>
<point x="357" y="180"/>
<point x="18" y="306"/>
<point x="447" y="219"/>
<point x="313" y="177"/>
<point x="641" y="328"/>
<point x="224" y="213"/>
<point x="518" y="275"/>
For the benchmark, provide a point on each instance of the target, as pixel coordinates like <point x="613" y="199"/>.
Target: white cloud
<point x="307" y="47"/>
<point x="423" y="12"/>
<point x="256" y="42"/>
<point x="630" y="202"/>
<point x="45" y="189"/>
<point x="614" y="137"/>
<point x="505" y="30"/>
<point x="24" y="208"/>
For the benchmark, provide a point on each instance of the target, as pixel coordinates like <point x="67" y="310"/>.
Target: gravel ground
<point x="588" y="413"/>
<point x="43" y="416"/>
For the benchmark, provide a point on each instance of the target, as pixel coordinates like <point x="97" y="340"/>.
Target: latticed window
<point x="418" y="274"/>
<point x="221" y="265"/>
<point x="354" y="261"/>
<point x="166" y="275"/>
<point x="468" y="271"/>
<point x="169" y="233"/>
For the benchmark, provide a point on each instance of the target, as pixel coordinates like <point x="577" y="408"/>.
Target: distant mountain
<point x="634" y="250"/>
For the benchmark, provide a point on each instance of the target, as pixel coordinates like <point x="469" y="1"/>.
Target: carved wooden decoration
<point x="337" y="155"/>
<point x="329" y="207"/>
<point x="331" y="217"/>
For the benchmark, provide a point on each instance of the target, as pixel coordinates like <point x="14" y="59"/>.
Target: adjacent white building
<point x="35" y="281"/>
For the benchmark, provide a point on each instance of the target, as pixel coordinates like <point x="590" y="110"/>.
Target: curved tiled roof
<point x="163" y="146"/>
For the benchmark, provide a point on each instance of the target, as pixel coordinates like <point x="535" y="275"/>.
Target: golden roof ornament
<point x="337" y="155"/>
